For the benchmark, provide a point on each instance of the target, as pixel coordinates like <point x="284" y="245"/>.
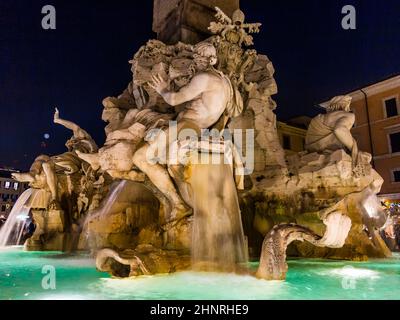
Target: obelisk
<point x="187" y="20"/>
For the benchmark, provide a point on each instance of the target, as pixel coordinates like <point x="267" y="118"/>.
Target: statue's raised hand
<point x="56" y="115"/>
<point x="158" y="84"/>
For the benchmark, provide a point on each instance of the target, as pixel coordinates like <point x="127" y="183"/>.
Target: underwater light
<point x="65" y="297"/>
<point x="351" y="272"/>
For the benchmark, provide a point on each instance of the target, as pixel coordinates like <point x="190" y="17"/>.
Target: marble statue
<point x="81" y="140"/>
<point x="41" y="177"/>
<point x="273" y="264"/>
<point x="136" y="265"/>
<point x="332" y="131"/>
<point x="206" y="98"/>
<point x="64" y="189"/>
<point x="44" y="170"/>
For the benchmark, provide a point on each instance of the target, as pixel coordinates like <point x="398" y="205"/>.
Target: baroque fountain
<point x="192" y="175"/>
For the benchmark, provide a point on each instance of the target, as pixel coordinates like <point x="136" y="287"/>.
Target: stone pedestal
<point x="315" y="182"/>
<point x="49" y="234"/>
<point x="187" y="20"/>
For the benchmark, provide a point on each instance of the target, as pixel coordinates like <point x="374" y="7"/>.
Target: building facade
<point x="292" y="134"/>
<point x="377" y="131"/>
<point x="10" y="190"/>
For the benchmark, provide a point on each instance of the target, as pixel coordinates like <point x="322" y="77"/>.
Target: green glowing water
<point x="76" y="278"/>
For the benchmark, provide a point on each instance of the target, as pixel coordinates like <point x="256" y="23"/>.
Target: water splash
<point x="372" y="206"/>
<point x="12" y="231"/>
<point x="106" y="206"/>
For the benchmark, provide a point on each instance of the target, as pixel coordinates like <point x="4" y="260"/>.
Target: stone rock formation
<point x="333" y="174"/>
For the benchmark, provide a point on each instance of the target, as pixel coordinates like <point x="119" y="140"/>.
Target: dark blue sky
<point x="86" y="59"/>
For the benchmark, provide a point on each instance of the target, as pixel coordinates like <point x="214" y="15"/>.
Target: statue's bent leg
<point x="92" y="158"/>
<point x="159" y="176"/>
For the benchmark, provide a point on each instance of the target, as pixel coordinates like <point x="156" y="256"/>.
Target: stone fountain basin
<point x="77" y="278"/>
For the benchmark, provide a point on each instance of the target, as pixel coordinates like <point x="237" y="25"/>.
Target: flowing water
<point x="12" y="231"/>
<point x="218" y="240"/>
<point x="107" y="204"/>
<point x="77" y="279"/>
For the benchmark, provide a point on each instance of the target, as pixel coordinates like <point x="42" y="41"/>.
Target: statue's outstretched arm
<point x="23" y="177"/>
<point x="78" y="131"/>
<point x="197" y="86"/>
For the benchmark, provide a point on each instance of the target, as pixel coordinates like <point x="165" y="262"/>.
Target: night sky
<point x="86" y="59"/>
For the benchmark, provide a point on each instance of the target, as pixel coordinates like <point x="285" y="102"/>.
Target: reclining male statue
<point x="332" y="131"/>
<point x="43" y="172"/>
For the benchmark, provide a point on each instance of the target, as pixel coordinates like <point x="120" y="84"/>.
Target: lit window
<point x="395" y="142"/>
<point x="391" y="108"/>
<point x="7" y="185"/>
<point x="16" y="185"/>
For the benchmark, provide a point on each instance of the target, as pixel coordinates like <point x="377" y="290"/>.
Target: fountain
<point x="173" y="213"/>
<point x="12" y="231"/>
<point x="107" y="204"/>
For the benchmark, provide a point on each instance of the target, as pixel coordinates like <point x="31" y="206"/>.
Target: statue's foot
<point x="179" y="212"/>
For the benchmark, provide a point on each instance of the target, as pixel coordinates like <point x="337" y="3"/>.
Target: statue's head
<point x="340" y="103"/>
<point x="112" y="115"/>
<point x="110" y="112"/>
<point x="205" y="55"/>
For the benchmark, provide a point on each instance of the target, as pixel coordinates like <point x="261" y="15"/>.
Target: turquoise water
<point x="76" y="278"/>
